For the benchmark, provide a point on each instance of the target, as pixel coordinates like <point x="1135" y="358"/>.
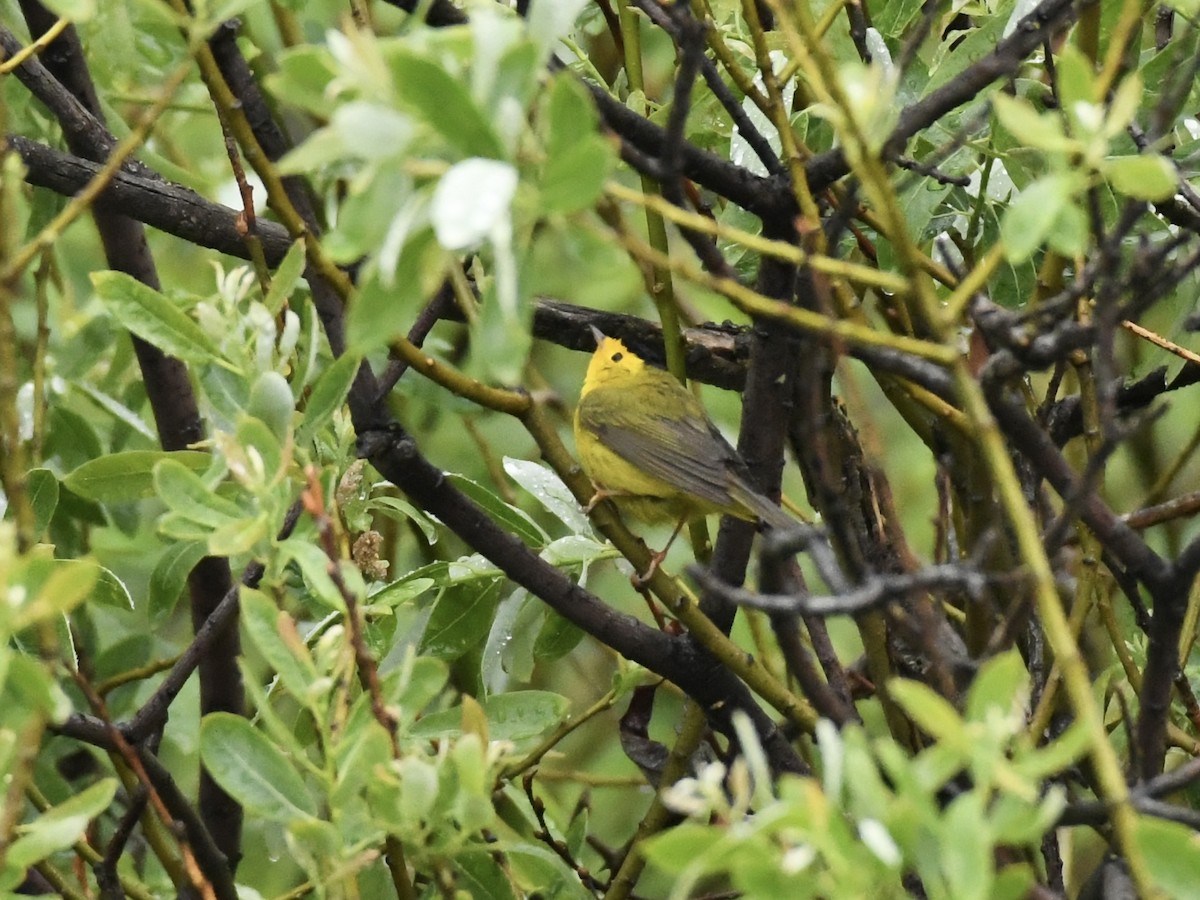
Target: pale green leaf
<point x="41" y="487"/>
<point x="932" y="712"/>
<point x="1171" y="854"/>
<point x="328" y="394"/>
<point x="286" y="277"/>
<point x="252" y="770"/>
<point x="129" y="475"/>
<point x="1146" y="177"/>
<point x="511" y="717"/>
<point x="154" y="318"/>
<point x="60" y="826"/>
<point x="1026" y="124"/>
<point x="185" y="493"/>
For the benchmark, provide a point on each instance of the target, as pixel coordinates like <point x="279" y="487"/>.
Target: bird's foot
<point x="600" y="496"/>
<point x="640" y="582"/>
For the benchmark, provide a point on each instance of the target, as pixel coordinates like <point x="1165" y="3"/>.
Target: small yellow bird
<point x="646" y="442"/>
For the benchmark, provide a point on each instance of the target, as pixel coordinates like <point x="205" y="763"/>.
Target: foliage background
<point x="978" y="681"/>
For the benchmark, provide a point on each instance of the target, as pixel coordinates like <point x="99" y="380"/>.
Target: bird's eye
<point x="616" y="357"/>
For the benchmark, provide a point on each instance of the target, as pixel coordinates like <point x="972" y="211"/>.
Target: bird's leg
<point x="602" y="494"/>
<point x="644" y="589"/>
<point x="640" y="581"/>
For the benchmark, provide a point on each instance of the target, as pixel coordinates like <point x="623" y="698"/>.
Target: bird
<point x="647" y="444"/>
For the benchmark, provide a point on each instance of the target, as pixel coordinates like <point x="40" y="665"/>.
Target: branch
<point x="1030" y="34"/>
<point x="395" y="454"/>
<point x="873" y="593"/>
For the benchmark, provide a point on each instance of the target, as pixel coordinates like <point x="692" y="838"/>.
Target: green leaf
<point x="53" y="587"/>
<point x="1028" y="221"/>
<point x="893" y="18"/>
<point x="403" y="511"/>
<point x="953" y="56"/>
<point x="966" y="848"/>
<point x="381" y="311"/>
<point x="314" y="566"/>
<point x="569" y="114"/>
<point x="461" y="619"/>
<point x="1069" y="235"/>
<point x="274" y="634"/>
<point x="1171" y="853"/>
<point x="932" y="712"/>
<point x="1147" y="177"/>
<point x="252" y="434"/>
<point x="400" y="592"/>
<point x="1013" y="821"/>
<point x="109" y="590"/>
<point x="154" y="318"/>
<point x="78" y="11"/>
<point x="170" y="575"/>
<point x="271" y="402"/>
<point x="579" y="266"/>
<point x="285" y="278"/>
<point x="680" y="847"/>
<point x="1000" y="684"/>
<point x="328" y="394"/>
<point x="41" y="486"/>
<point x="29" y="689"/>
<point x="548" y="489"/>
<point x="1076" y="77"/>
<point x="508" y="651"/>
<point x="227" y="392"/>
<point x="177" y="527"/>
<point x="1042" y="762"/>
<point x="578" y="831"/>
<point x="1123" y="107"/>
<point x="119" y="411"/>
<point x="542" y="871"/>
<point x="303" y="78"/>
<point x="72" y="437"/>
<point x="380" y="216"/>
<point x="415" y="685"/>
<point x="373" y="131"/>
<point x="511" y="717"/>
<point x="252" y="770"/>
<point x="511" y="519"/>
<point x="505" y="328"/>
<point x="1026" y="124"/>
<point x="479" y="875"/>
<point x="575" y="551"/>
<point x="444" y="102"/>
<point x="185" y="493"/>
<point x="129" y="475"/>
<point x="324" y="147"/>
<point x="574" y="179"/>
<point x="364" y="746"/>
<point x="288" y="739"/>
<point x="60" y="826"/>
<point x="418" y="789"/>
<point x="315" y="845"/>
<point x="308" y="345"/>
<point x="512" y="80"/>
<point x="557" y="638"/>
<point x="1013" y="882"/>
<point x="239" y="535"/>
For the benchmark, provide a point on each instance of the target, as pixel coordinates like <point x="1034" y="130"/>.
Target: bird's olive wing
<point x="665" y="434"/>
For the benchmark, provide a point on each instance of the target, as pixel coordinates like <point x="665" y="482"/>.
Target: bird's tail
<point x="767" y="512"/>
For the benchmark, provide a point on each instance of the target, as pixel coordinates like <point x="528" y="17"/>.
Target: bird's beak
<point x="597" y="334"/>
